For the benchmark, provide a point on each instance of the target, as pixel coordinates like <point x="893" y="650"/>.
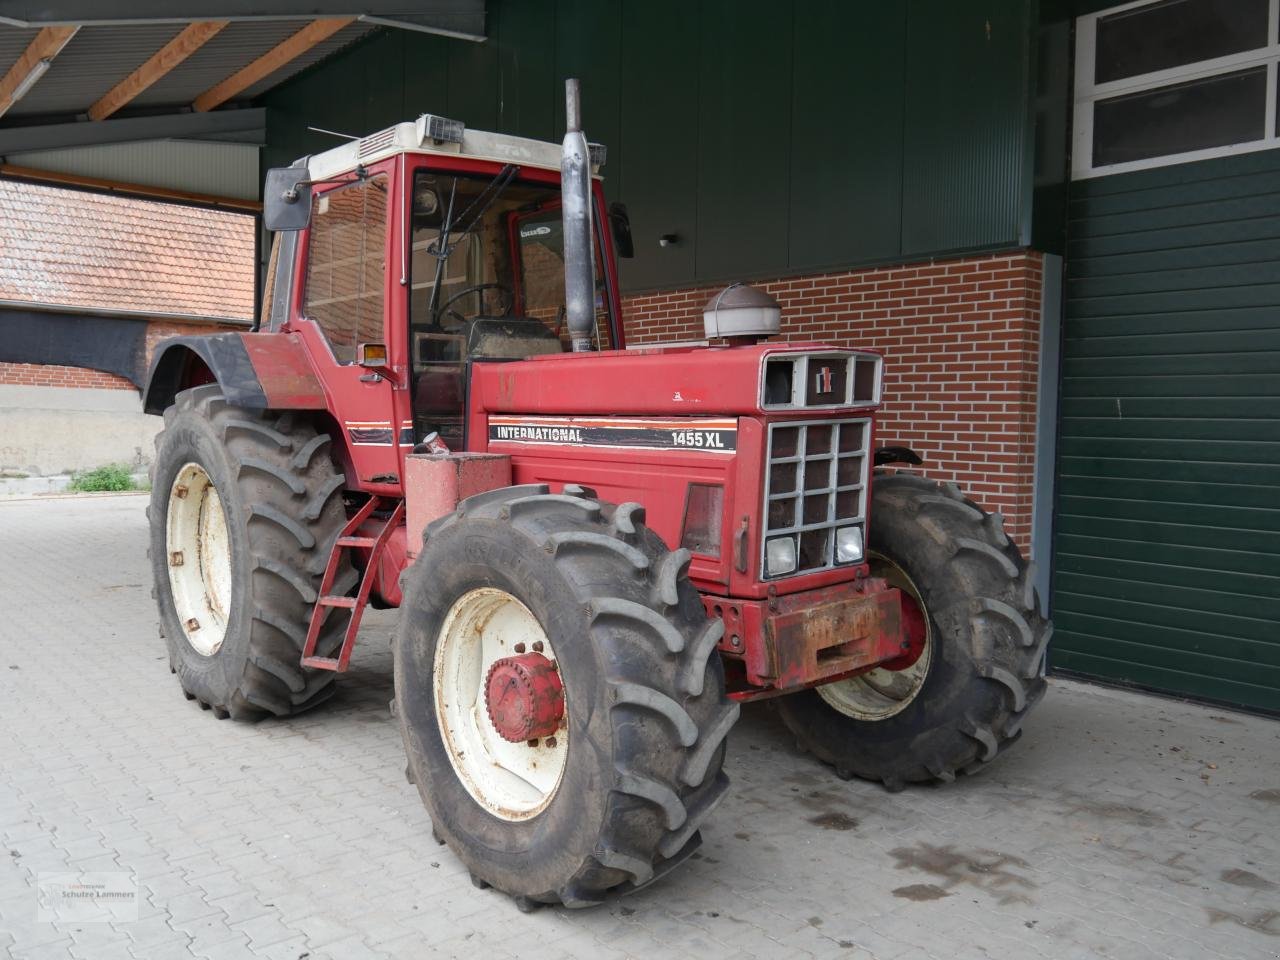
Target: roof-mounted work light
<point x="439" y="129"/>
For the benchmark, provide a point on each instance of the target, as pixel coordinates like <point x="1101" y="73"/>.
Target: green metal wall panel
<point x="846" y="162"/>
<point x="744" y="134"/>
<point x="967" y="164"/>
<point x="768" y="137"/>
<point x="659" y="63"/>
<point x="1167" y="548"/>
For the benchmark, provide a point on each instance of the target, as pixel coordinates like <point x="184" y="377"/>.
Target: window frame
<point x="1087" y="93"/>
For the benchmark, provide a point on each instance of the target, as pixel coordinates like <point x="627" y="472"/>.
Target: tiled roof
<point x="91" y="250"/>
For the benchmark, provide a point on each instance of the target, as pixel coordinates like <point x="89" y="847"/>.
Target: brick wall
<point x="961" y="340"/>
<point x="55" y="375"/>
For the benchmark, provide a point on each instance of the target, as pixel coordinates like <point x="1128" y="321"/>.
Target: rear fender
<point x="257" y="370"/>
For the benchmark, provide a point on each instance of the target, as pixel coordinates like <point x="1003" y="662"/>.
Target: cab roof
<point x="416" y="137"/>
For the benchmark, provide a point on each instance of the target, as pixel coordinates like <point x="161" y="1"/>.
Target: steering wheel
<point x="444" y="310"/>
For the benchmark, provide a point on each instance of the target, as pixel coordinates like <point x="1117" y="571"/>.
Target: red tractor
<point x="599" y="554"/>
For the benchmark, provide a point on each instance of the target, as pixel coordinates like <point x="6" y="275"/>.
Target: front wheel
<point x="245" y="506"/>
<point x="560" y="695"/>
<point x="980" y="663"/>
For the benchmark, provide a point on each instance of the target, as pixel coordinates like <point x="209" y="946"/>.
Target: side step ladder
<point x="348" y="540"/>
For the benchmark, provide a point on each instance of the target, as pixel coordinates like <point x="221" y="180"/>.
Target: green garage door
<point x="1167" y="546"/>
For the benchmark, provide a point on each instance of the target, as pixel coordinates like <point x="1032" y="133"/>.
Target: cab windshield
<point x="486" y="282"/>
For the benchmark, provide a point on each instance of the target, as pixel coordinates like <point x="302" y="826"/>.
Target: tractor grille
<point x="816" y="483"/>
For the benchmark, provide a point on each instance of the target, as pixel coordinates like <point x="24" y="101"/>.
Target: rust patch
<point x="834" y="821"/>
<point x="920" y="892"/>
<point x="988" y="870"/>
<point x="1246" y="878"/>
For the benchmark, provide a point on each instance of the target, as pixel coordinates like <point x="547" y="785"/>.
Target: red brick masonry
<point x="961" y="340"/>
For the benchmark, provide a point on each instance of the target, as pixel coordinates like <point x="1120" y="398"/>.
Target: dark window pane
<point x="1221" y="110"/>
<point x="1176" y="32"/>
<point x="784" y="441"/>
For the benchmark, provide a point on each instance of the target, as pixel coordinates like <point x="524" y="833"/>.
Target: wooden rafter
<point x="191" y="39"/>
<point x="317" y="31"/>
<point x="46" y="45"/>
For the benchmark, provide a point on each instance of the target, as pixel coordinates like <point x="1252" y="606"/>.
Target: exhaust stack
<point x="575" y="206"/>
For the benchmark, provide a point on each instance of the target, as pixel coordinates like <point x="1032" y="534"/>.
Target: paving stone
<point x="1092" y="838"/>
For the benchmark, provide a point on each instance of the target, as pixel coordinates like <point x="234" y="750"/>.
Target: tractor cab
<point x="419" y="251"/>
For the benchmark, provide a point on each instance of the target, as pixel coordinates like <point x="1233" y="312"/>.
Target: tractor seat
<point x="509" y="338"/>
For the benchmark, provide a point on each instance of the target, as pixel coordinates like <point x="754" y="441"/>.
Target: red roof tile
<point x="92" y="250"/>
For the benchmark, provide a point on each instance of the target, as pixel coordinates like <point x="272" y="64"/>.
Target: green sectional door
<point x="1167" y="544"/>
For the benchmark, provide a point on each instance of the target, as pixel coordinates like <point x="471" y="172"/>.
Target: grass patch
<point x="114" y="477"/>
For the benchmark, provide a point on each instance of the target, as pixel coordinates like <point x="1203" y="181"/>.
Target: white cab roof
<point x="410" y="137"/>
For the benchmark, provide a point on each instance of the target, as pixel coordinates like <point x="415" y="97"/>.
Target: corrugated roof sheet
<point x="99" y="57"/>
<point x="87" y="250"/>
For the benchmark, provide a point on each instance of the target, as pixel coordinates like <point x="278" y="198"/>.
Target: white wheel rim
<point x="514" y="781"/>
<point x="199" y="559"/>
<point x="880" y="694"/>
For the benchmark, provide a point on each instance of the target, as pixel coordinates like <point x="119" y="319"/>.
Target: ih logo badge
<point x="824" y="380"/>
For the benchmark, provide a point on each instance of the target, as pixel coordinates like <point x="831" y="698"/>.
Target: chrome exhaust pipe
<point x="575" y="206"/>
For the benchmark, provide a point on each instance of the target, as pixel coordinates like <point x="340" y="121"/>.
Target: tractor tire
<point x="982" y="669"/>
<point x="634" y="766"/>
<point x="245" y="506"/>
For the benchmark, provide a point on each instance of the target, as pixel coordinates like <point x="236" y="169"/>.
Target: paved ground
<point x="1122" y="826"/>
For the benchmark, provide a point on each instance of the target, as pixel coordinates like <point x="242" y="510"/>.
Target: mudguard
<point x="888" y="455"/>
<point x="258" y="370"/>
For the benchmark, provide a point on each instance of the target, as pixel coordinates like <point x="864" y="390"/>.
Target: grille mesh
<point x="816" y="481"/>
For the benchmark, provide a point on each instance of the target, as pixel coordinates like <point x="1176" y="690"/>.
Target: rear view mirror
<point x="620" y="224"/>
<point x="286" y="199"/>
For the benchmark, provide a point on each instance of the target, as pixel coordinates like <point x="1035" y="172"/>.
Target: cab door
<point x="345" y="293"/>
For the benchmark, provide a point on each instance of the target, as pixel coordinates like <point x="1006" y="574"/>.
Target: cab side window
<point x="346" y="265"/>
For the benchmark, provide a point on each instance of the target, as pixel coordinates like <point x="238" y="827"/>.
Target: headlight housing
<point x="848" y="545"/>
<point x="779" y="556"/>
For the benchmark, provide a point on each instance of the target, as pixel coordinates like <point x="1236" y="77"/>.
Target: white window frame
<point x="1087" y="93"/>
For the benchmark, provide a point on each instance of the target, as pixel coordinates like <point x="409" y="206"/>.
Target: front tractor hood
<point x="667" y="381"/>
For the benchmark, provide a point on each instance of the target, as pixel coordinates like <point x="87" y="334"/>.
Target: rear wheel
<point x="560" y="695"/>
<point x="244" y="509"/>
<point x="981" y="639"/>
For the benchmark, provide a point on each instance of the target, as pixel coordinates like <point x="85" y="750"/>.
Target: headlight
<point x="779" y="556"/>
<point x="848" y="544"/>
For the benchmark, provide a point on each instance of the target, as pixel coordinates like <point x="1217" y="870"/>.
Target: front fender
<point x="257" y="370"/>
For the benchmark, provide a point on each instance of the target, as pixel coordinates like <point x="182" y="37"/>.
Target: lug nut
<point x="533" y="743"/>
<point x="550" y="741"/>
<point x="175" y="558"/>
<point x="180" y="492"/>
<point x="537" y="646"/>
<point x="519" y="648"/>
<point x="193" y="624"/>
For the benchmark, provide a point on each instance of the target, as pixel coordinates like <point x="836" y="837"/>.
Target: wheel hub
<point x="893" y="686"/>
<point x="524" y="697"/>
<point x="198" y="547"/>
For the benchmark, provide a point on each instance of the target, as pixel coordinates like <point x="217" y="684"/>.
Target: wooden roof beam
<point x="46" y="45"/>
<point x="315" y="32"/>
<point x="188" y="41"/>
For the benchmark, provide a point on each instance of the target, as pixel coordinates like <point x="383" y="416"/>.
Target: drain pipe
<point x="575" y="206"/>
